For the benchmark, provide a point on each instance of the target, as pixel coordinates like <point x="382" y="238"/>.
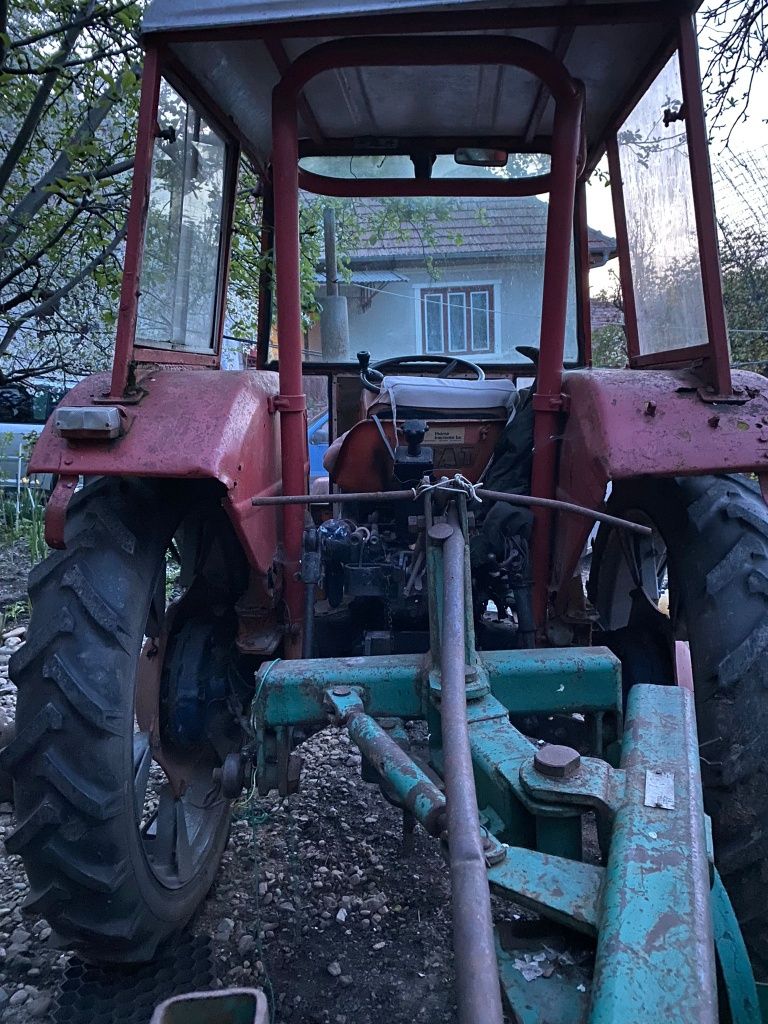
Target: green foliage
<point x="609" y="341"/>
<point x="22" y="517"/>
<point x="744" y="259"/>
<point x="11" y="614"/>
<point x="609" y="346"/>
<point x="70" y="83"/>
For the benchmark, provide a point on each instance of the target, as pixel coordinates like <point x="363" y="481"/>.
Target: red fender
<point x="189" y="424"/>
<point x="629" y="423"/>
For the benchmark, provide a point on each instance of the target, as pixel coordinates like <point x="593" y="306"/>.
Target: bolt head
<point x="556" y="761"/>
<point x="341" y="691"/>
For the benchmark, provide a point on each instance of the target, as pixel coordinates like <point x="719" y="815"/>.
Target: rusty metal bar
<point x="134" y="243"/>
<point x="477" y="979"/>
<point x="412" y="494"/>
<point x="622" y="239"/>
<point x="413" y="786"/>
<point x="704" y="206"/>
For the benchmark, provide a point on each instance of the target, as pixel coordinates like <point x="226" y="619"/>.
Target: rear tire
<point x="74" y="757"/>
<point x="715" y="530"/>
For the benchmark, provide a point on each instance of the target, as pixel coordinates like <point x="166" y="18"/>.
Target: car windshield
<point x="428" y="276"/>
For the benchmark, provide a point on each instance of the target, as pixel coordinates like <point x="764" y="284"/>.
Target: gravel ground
<point x="317" y="900"/>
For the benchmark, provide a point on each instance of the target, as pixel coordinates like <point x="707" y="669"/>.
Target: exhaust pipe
<point x="477" y="977"/>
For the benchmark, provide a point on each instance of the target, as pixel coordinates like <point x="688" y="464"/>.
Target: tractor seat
<point x="445" y="396"/>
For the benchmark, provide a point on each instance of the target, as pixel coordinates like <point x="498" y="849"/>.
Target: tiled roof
<point x="461" y="228"/>
<point x="605" y="313"/>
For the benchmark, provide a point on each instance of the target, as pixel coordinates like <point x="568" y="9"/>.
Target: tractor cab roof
<point x="235" y="51"/>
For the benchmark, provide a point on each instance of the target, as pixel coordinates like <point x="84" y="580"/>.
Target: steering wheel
<point x="372" y="376"/>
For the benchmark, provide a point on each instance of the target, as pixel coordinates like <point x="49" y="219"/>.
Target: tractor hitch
<point x="637" y="906"/>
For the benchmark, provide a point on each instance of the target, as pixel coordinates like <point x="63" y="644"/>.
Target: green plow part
<point x="631" y="925"/>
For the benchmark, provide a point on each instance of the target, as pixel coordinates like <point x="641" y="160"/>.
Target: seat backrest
<point x="448" y="395"/>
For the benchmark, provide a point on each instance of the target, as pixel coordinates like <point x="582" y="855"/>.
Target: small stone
<point x="246" y="944"/>
<point x="341" y="917"/>
<point x="19" y="997"/>
<point x="225" y="929"/>
<point x="346" y="980"/>
<point x="334" y="969"/>
<point x="3" y="997"/>
<point x="39" y="1007"/>
<point x="379" y="945"/>
<point x="15" y="633"/>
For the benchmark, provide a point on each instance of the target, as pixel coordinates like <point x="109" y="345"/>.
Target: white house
<point x="465" y="280"/>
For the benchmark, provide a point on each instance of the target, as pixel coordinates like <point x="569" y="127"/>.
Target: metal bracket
<point x="595" y="784"/>
<point x="551" y="403"/>
<point x="558" y="888"/>
<point x="286" y="403"/>
<point x="56" y="511"/>
<point x="736" y="397"/>
<point x="343" y="701"/>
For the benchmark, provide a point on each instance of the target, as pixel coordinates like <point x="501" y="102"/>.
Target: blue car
<point x="317" y="436"/>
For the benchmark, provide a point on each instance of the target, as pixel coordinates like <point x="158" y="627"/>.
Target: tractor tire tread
<point x="75" y="812"/>
<point x="716" y="534"/>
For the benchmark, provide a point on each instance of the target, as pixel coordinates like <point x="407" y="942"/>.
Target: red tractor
<point x="440" y="574"/>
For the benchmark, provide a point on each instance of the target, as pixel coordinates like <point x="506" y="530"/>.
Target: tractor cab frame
<point x="291" y="573"/>
<point x="575" y="117"/>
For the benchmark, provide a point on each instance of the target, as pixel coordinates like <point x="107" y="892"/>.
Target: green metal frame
<point x="654" y="908"/>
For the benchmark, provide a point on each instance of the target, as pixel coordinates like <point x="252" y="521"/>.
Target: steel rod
<point x="417" y="792"/>
<point x="477" y="977"/>
<point x="528" y="500"/>
<point x="525" y="500"/>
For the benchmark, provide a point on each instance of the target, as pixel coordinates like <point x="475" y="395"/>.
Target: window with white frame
<point x="458" y="320"/>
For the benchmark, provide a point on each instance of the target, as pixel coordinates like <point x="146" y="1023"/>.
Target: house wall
<point x="391" y="323"/>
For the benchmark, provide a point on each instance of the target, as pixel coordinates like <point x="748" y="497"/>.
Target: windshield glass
<point x="661" y="221"/>
<point x="518" y="165"/>
<point x="430" y="276"/>
<point x="183" y="233"/>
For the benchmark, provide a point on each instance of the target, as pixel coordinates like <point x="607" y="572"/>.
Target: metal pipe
<point x="548" y="401"/>
<point x="331" y="270"/>
<point x="308" y="636"/>
<point x="291" y="400"/>
<point x="704" y="206"/>
<point x="622" y="241"/>
<point x="414" y="788"/>
<point x="529" y="501"/>
<point x="134" y="242"/>
<point x="526" y="500"/>
<point x="477" y="978"/>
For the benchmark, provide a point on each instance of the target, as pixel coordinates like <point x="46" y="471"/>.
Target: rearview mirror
<point x="476" y="157"/>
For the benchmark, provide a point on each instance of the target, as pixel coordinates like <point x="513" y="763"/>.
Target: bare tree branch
<point x="104" y="12"/>
<point x="38" y="195"/>
<point x="37" y="107"/>
<point x="96" y="55"/>
<point x="52" y="301"/>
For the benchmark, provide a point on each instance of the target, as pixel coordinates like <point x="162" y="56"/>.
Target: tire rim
<point x="178" y="803"/>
